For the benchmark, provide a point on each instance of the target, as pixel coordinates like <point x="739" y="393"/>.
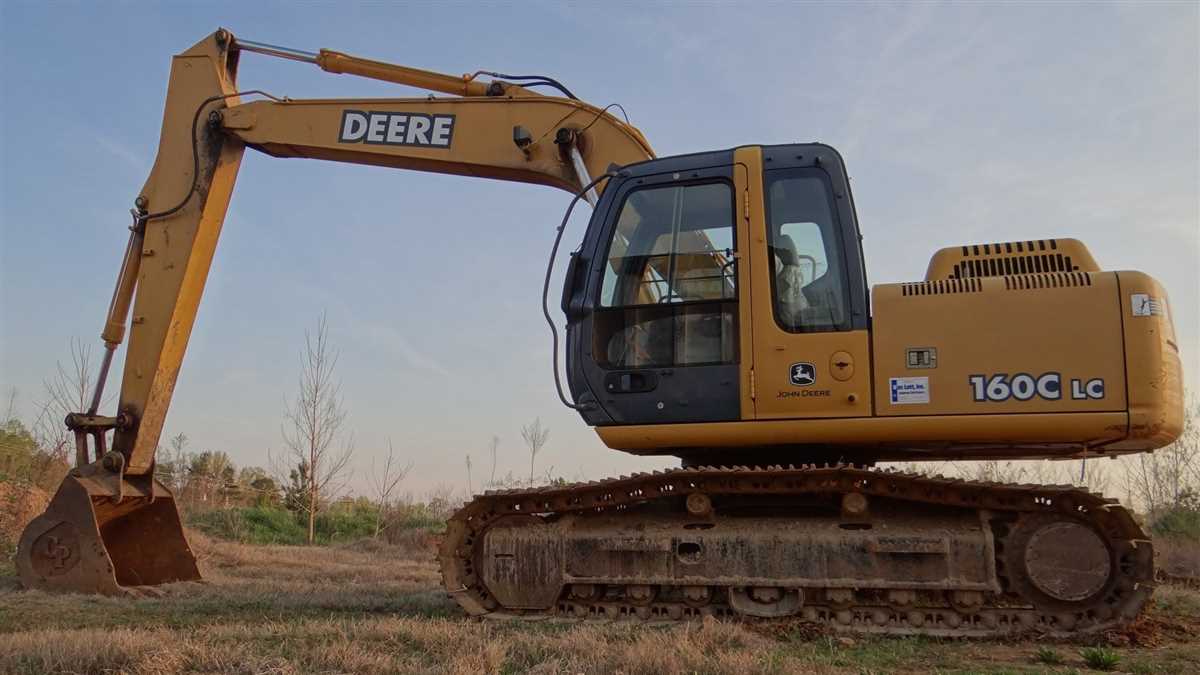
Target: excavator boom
<point x="93" y="535"/>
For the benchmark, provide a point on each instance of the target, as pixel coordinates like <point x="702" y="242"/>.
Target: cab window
<point x="808" y="275"/>
<point x="670" y="285"/>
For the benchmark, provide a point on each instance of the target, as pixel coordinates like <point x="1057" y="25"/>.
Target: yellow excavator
<point x="716" y="310"/>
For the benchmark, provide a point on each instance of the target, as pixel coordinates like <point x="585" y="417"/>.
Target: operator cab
<point x="662" y="325"/>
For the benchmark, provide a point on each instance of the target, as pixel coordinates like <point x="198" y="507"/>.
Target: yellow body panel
<point x="1153" y="367"/>
<point x="887" y="438"/>
<point x="1064" y="325"/>
<point x="848" y="354"/>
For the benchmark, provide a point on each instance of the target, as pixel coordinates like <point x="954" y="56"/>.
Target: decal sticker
<point x="1147" y="305"/>
<point x="907" y="390"/>
<point x="396" y="128"/>
<point x="803" y="374"/>
<point x="1024" y="387"/>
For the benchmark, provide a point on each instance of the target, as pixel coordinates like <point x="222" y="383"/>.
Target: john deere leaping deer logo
<point x="56" y="551"/>
<point x="803" y="374"/>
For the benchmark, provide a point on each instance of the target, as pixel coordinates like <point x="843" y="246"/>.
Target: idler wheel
<point x="1058" y="563"/>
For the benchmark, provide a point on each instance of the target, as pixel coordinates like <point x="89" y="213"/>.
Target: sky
<point x="959" y="123"/>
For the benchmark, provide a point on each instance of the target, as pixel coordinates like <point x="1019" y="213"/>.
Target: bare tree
<point x="535" y="436"/>
<point x="495" y="445"/>
<point x="384" y="484"/>
<point x="1170" y="476"/>
<point x="172" y="464"/>
<point x="442" y="501"/>
<point x="66" y="392"/>
<point x="312" y="429"/>
<point x="470" y="483"/>
<point x="11" y="411"/>
<point x="1041" y="472"/>
<point x="991" y="471"/>
<point x="1090" y="474"/>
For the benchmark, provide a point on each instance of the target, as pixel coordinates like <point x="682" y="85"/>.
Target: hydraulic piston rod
<point x="118" y="308"/>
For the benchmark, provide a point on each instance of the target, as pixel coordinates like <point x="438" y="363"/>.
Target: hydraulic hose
<point x="546" y="289"/>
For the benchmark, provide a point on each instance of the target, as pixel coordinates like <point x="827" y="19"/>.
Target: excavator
<point x="717" y="311"/>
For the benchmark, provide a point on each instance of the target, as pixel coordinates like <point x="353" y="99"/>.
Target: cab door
<point x="811" y="345"/>
<point x="657" y="335"/>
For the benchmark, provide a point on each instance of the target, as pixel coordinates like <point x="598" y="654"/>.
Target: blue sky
<point x="959" y="123"/>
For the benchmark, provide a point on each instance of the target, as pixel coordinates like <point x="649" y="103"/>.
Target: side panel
<point x="1035" y="343"/>
<point x="840" y="361"/>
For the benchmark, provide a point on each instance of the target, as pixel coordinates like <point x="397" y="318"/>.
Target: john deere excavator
<point x="717" y="310"/>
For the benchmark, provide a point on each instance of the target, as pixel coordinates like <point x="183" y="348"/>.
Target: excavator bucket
<point x="105" y="534"/>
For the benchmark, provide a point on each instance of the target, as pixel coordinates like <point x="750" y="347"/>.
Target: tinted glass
<point x="808" y="277"/>
<point x="670" y="283"/>
<point x="672" y="244"/>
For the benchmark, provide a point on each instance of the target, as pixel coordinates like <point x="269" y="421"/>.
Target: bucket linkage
<point x="105" y="531"/>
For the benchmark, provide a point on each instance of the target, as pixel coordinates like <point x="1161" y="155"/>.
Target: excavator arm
<point x="111" y="526"/>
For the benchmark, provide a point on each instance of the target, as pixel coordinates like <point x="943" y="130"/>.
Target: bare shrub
<point x="66" y="392"/>
<point x="383" y="487"/>
<point x="494" y="446"/>
<point x="535" y="436"/>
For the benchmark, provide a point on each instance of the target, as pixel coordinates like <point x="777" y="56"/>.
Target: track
<point x="1031" y="530"/>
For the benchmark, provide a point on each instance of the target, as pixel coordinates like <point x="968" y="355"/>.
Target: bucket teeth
<point x="108" y="535"/>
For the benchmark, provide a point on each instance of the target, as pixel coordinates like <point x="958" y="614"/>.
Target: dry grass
<point x="377" y="609"/>
<point x="1178" y="558"/>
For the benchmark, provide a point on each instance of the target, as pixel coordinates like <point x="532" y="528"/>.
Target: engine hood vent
<point x="941" y="287"/>
<point x="1040" y="256"/>
<point x="1028" y="282"/>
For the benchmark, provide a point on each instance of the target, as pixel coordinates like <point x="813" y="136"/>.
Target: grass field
<point x="374" y="609"/>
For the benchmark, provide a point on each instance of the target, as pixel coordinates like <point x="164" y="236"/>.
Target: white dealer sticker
<point x="1147" y="305"/>
<point x="909" y="390"/>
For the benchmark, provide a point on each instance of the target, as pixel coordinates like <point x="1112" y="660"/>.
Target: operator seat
<point x="789" y="282"/>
